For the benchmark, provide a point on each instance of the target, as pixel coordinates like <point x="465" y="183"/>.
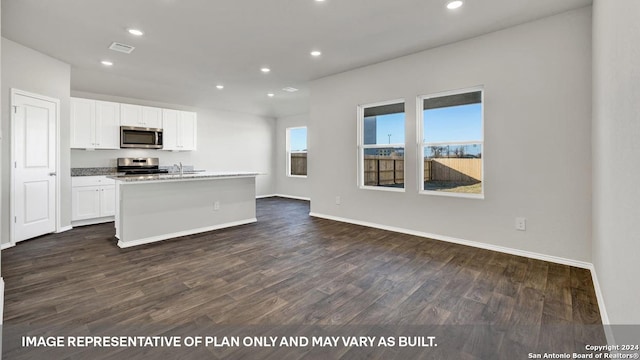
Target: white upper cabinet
<point x="179" y="130"/>
<point x="169" y="129"/>
<point x="94" y="124"/>
<point x="130" y="115"/>
<point x="83" y="122"/>
<point x="140" y="116"/>
<point x="188" y="125"/>
<point x="107" y="125"/>
<point x="151" y="117"/>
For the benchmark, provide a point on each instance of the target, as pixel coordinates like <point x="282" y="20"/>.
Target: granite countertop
<point x="196" y="175"/>
<point x="95" y="171"/>
<point x="113" y="171"/>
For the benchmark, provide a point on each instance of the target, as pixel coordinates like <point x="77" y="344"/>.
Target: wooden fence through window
<point x="380" y="170"/>
<point x="299" y="164"/>
<point x="383" y="170"/>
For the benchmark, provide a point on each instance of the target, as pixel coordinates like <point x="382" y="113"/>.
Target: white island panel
<point x="149" y="211"/>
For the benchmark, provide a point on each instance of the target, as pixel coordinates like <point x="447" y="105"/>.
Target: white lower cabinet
<point x="108" y="200"/>
<point x="93" y="199"/>
<point x="86" y="202"/>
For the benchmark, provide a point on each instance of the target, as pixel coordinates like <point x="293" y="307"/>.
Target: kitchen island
<point x="157" y="207"/>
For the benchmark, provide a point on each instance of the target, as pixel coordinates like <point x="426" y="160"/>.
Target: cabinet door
<point x="82" y="123"/>
<point x="187" y="130"/>
<point x="152" y="117"/>
<point x="131" y="115"/>
<point x="108" y="200"/>
<point x="107" y="125"/>
<point x="169" y="129"/>
<point x="85" y="202"/>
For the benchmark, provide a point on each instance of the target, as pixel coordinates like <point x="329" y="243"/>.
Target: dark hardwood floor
<point x="289" y="269"/>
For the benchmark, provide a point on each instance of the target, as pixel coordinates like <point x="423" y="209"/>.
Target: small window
<point x="452" y="142"/>
<point x="381" y="146"/>
<point x="297" y="151"/>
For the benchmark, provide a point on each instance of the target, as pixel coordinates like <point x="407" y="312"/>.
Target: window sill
<point x="298" y="176"/>
<point x="382" y="188"/>
<point x="452" y="194"/>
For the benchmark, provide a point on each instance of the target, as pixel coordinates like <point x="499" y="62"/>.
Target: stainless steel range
<point x="140" y="166"/>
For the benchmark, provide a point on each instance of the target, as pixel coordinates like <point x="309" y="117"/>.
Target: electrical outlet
<point x="338" y="200"/>
<point x="521" y="224"/>
<point x="216" y="205"/>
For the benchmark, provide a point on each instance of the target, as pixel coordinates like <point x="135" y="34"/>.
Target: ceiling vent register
<point x="123" y="48"/>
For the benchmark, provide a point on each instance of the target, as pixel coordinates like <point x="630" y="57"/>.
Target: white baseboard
<point x="284" y="196"/>
<point x="603" y="310"/>
<point x="92" y="221"/>
<point x="64" y="228"/>
<point x="1" y="299"/>
<point x="264" y="196"/>
<point x="293" y="197"/>
<point x="596" y="286"/>
<point x="152" y="239"/>
<point x="502" y="249"/>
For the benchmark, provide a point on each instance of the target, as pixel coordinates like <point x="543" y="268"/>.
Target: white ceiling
<point x="189" y="46"/>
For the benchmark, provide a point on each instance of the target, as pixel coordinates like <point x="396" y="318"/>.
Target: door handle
<point x="52" y="174"/>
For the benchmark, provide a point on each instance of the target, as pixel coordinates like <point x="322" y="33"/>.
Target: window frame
<point x="288" y="152"/>
<point x="421" y="144"/>
<point x="361" y="146"/>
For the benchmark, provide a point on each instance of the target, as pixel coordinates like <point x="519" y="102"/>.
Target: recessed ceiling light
<point x="290" y="89"/>
<point x="319" y="0"/>
<point x="265" y="70"/>
<point x="454" y="4"/>
<point x="219" y="87"/>
<point x="106" y="63"/>
<point x="271" y="94"/>
<point x="135" y="32"/>
<point x="316" y="53"/>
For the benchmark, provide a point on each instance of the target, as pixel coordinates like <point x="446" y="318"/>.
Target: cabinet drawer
<point x="91" y="181"/>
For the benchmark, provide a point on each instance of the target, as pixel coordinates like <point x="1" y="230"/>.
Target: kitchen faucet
<point x="179" y="167"/>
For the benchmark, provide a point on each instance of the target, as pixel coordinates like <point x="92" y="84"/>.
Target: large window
<point x="381" y="146"/>
<point x="297" y="151"/>
<point x="452" y="143"/>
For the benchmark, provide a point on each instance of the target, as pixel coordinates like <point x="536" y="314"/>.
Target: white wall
<point x="1" y="200"/>
<point x="227" y="141"/>
<point x="616" y="155"/>
<point x="537" y="80"/>
<point x="29" y="70"/>
<point x="286" y="185"/>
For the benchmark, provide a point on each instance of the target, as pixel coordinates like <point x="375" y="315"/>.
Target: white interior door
<point x="34" y="168"/>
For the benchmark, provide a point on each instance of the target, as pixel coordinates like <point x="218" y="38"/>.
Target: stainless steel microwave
<point x="139" y="137"/>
